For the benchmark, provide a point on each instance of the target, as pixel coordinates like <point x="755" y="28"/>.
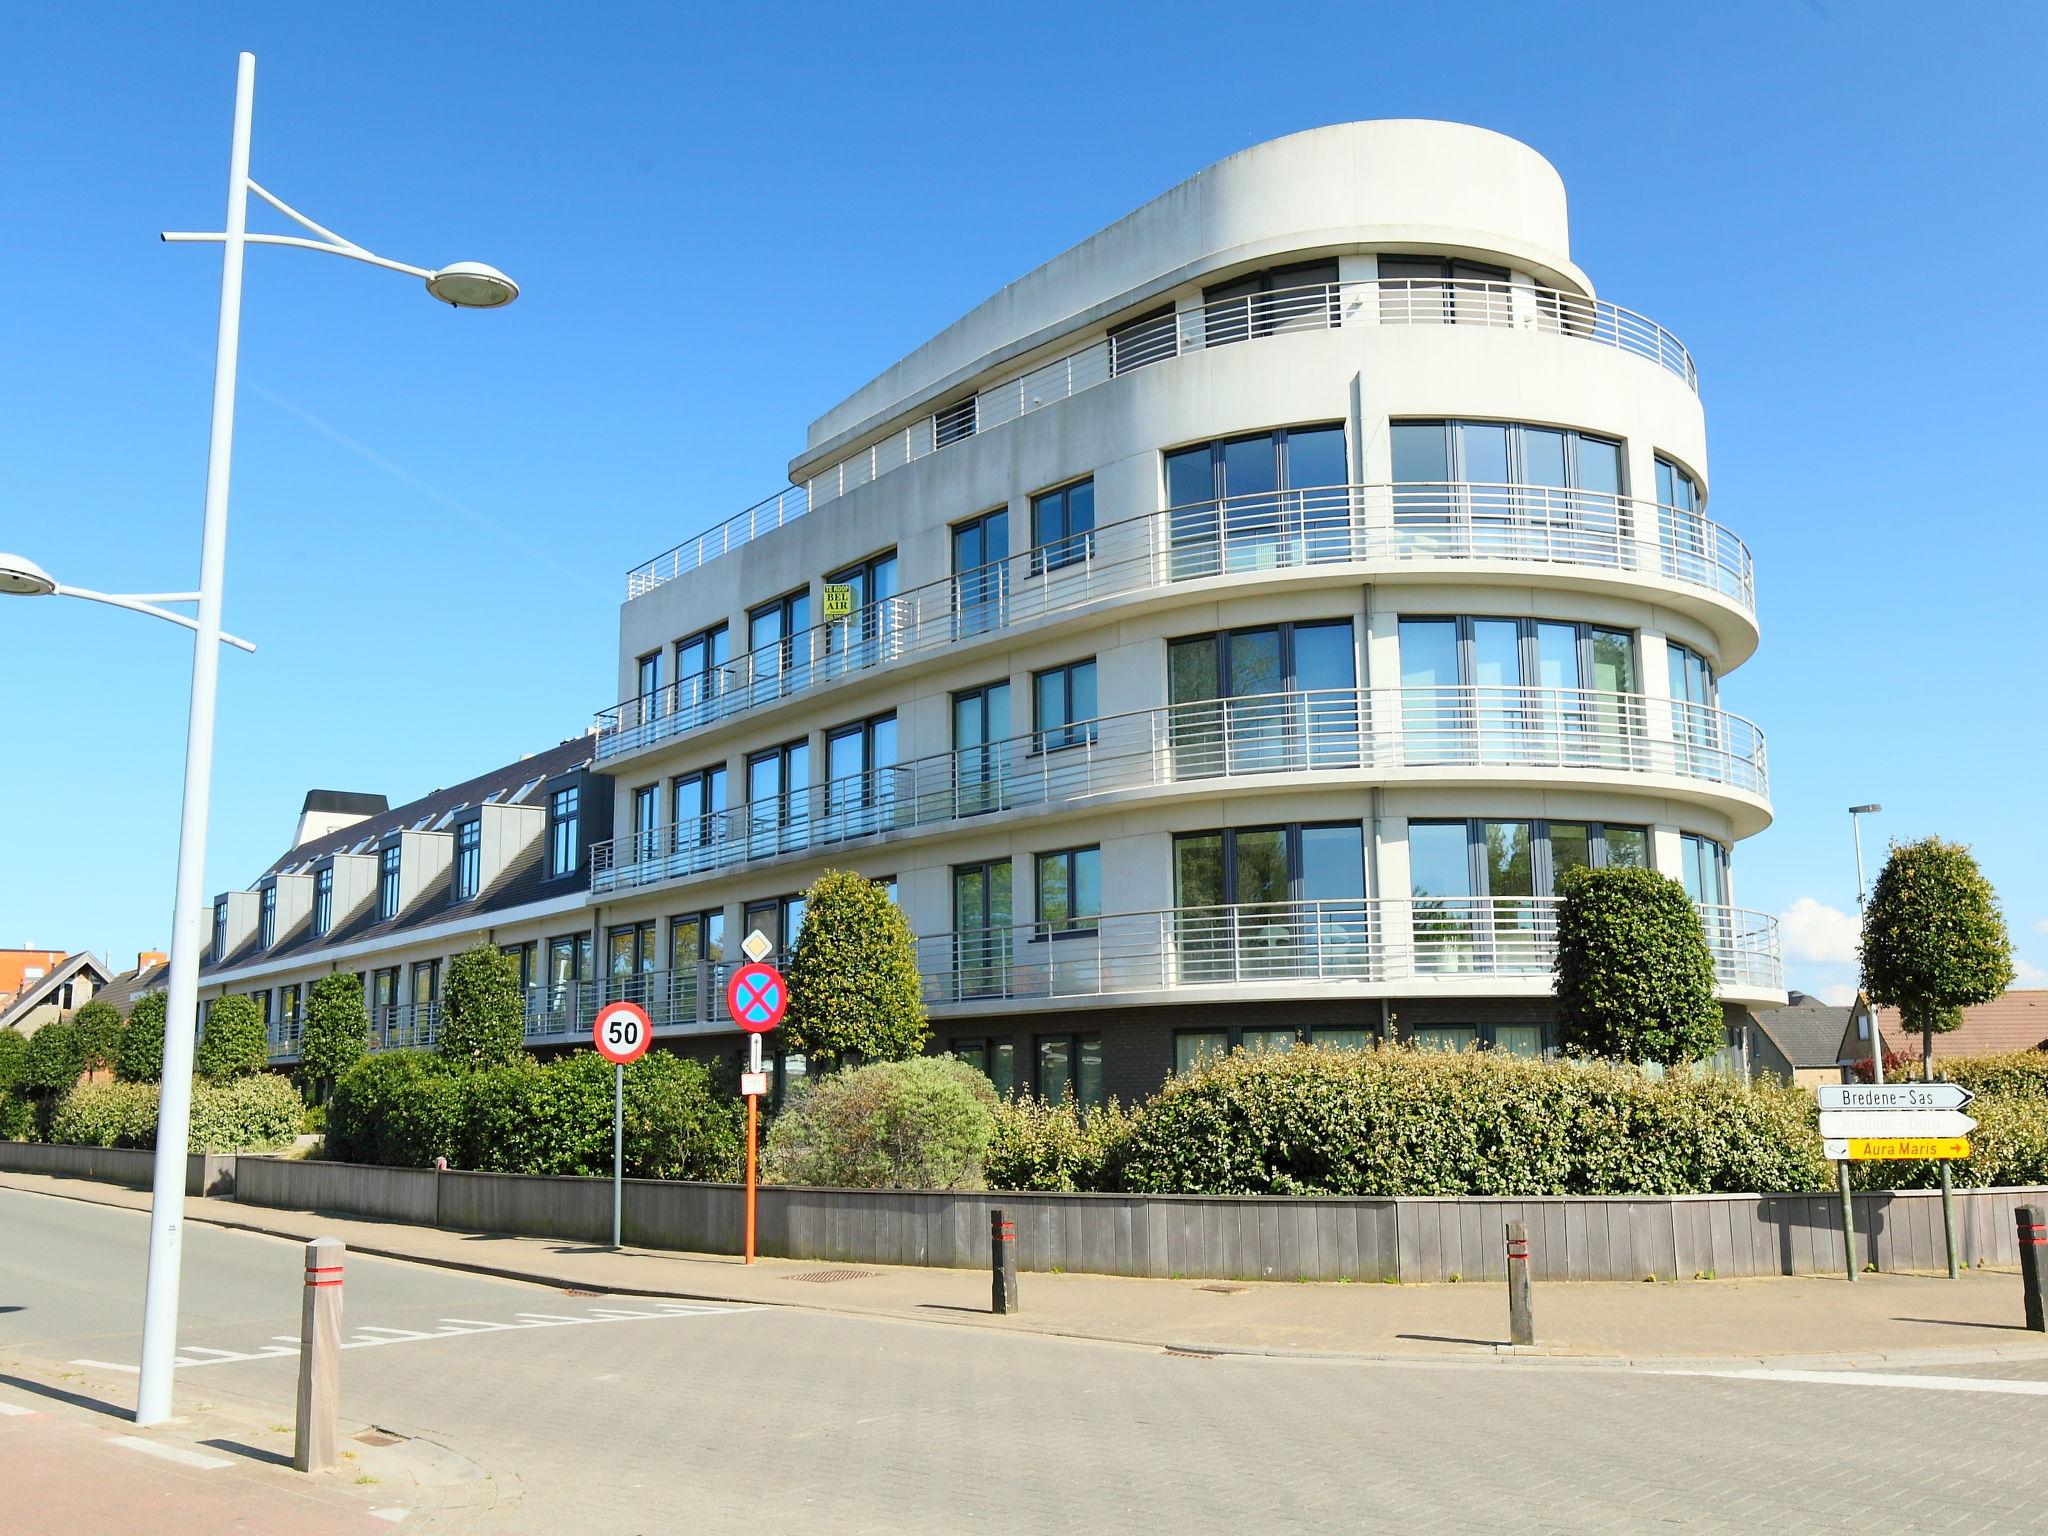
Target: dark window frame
<point x="389" y="866"/>
<point x="1072" y="732"/>
<point x="322" y="919"/>
<point x="1074" y="924"/>
<point x="565" y="831"/>
<point x="1071" y="545"/>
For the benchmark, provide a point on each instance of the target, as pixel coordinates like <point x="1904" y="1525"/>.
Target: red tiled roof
<point x="2016" y="1021"/>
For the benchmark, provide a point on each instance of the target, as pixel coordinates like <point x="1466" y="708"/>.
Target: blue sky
<point x="725" y="219"/>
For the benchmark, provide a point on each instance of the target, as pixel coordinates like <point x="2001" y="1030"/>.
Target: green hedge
<point x="1055" y="1147"/>
<point x="249" y="1114"/>
<point x="406" y="1108"/>
<point x="924" y="1123"/>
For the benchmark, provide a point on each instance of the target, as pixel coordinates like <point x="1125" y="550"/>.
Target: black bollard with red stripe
<point x="1521" y="1319"/>
<point x="1002" y="1254"/>
<point x="2033" y="1263"/>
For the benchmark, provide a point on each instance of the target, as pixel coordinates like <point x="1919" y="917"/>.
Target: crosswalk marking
<point x="15" y="1411"/>
<point x="177" y="1453"/>
<point x="1993" y="1384"/>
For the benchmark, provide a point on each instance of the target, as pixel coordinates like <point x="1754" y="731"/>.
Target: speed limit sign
<point x="622" y="1032"/>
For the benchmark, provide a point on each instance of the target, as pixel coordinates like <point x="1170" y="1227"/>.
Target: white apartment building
<point x="1223" y="635"/>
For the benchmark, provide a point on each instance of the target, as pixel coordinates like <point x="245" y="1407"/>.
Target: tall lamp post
<point x="467" y="285"/>
<point x="1856" y="815"/>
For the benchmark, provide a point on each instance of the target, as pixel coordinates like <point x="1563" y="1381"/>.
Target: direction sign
<point x="1879" y="1149"/>
<point x="757" y="997"/>
<point x="622" y="1032"/>
<point x="1881" y="1124"/>
<point x="1895" y="1096"/>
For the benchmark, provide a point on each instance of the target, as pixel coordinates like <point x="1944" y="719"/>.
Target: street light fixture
<point x="466" y="285"/>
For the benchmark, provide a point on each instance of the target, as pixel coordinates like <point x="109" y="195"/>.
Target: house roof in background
<point x="122" y="990"/>
<point x="37" y="993"/>
<point x="1807" y="1031"/>
<point x="2014" y="1021"/>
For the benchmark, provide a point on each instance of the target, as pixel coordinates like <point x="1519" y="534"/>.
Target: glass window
<point x="649" y="673"/>
<point x="1341" y="1039"/>
<point x="220" y="930"/>
<point x="1692" y="676"/>
<point x="873" y="583"/>
<point x="1676" y="488"/>
<point x="981" y="572"/>
<point x="1445" y="1037"/>
<point x="1191" y="1045"/>
<point x="387" y="881"/>
<point x="469" y="853"/>
<point x="1439" y="858"/>
<point x="981" y="747"/>
<point x="699" y="802"/>
<point x="267" y="927"/>
<point x="564" y="815"/>
<point x="860" y="785"/>
<point x="995" y="1059"/>
<point x="700" y="665"/>
<point x="1062" y="527"/>
<point x="1518" y="1039"/>
<point x="323" y="900"/>
<point x="1265" y="865"/>
<point x="1704" y="870"/>
<point x="981" y="922"/>
<point x="1070" y="1066"/>
<point x="1069" y="891"/>
<point x="1065" y="702"/>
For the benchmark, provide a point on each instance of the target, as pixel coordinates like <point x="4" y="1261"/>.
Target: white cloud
<point x="2026" y="974"/>
<point x="1837" y="997"/>
<point x="2041" y="926"/>
<point x="1818" y="933"/>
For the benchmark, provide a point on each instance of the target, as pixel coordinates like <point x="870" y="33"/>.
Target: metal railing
<point x="1292" y="942"/>
<point x="1316" y="307"/>
<point x="1298" y="732"/>
<point x="1421" y="522"/>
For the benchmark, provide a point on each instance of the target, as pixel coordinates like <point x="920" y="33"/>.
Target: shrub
<point x="17" y="1118"/>
<point x="483" y="1011"/>
<point x="1635" y="979"/>
<point x="854" y="991"/>
<point x="99" y="1035"/>
<point x="142" y="1044"/>
<point x="13" y="1059"/>
<point x="1898" y="1066"/>
<point x="54" y="1059"/>
<point x="2016" y="1074"/>
<point x="1934" y="941"/>
<point x="234" y="1044"/>
<point x="246" y="1114"/>
<point x="918" y="1124"/>
<point x="401" y="1109"/>
<point x="1397" y="1121"/>
<point x="678" y="1126"/>
<point x="337" y="1032"/>
<point x="1047" y="1146"/>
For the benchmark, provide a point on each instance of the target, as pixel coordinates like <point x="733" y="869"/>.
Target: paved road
<point x="594" y="1419"/>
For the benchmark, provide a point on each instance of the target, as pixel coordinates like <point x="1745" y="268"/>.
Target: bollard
<point x="2033" y="1263"/>
<point x="313" y="1449"/>
<point x="1002" y="1256"/>
<point x="1521" y="1320"/>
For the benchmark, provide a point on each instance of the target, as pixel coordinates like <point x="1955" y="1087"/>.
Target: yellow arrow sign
<point x="1891" y="1148"/>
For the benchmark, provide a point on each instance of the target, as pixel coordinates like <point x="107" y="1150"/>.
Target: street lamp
<point x="1856" y="815"/>
<point x="467" y="285"/>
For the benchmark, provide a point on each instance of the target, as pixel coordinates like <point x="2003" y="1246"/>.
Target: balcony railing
<point x="1317" y="307"/>
<point x="1297" y="942"/>
<point x="1246" y="535"/>
<point x="1327" y="729"/>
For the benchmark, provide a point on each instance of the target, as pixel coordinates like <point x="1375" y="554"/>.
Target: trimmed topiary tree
<point x="1934" y="940"/>
<point x="854" y="991"/>
<point x="99" y="1035"/>
<point x="1634" y="976"/>
<point x="13" y="1059"/>
<point x="142" y="1043"/>
<point x="337" y="1032"/>
<point x="56" y="1055"/>
<point x="483" y="1011"/>
<point x="234" y="1043"/>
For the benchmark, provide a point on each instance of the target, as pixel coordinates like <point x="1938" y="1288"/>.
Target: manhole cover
<point x="832" y="1276"/>
<point x="1223" y="1290"/>
<point x="378" y="1437"/>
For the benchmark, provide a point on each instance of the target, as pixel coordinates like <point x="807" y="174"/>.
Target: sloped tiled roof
<point x="124" y="989"/>
<point x="1807" y="1031"/>
<point x="2016" y="1021"/>
<point x="35" y="994"/>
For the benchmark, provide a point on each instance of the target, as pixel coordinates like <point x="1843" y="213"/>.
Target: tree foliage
<point x="854" y="991"/>
<point x="483" y="1011"/>
<point x="234" y="1043"/>
<point x="1934" y="940"/>
<point x="924" y="1123"/>
<point x="1634" y="976"/>
<point x="56" y="1055"/>
<point x="337" y="1032"/>
<point x="13" y="1059"/>
<point x="142" y="1043"/>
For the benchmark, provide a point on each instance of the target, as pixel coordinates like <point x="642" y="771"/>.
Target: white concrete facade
<point x="1351" y="340"/>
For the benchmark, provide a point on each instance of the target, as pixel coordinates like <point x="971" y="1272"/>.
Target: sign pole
<point x="1948" y="1217"/>
<point x="618" y="1147"/>
<point x="753" y="1102"/>
<point x="756" y="997"/>
<point x="1848" y="1222"/>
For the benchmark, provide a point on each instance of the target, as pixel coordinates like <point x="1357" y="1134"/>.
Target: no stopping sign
<point x="622" y="1032"/>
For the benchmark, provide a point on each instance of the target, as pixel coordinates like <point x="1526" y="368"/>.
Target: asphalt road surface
<point x="601" y="1415"/>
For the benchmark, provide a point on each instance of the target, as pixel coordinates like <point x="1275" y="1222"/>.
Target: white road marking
<point x="393" y="1515"/>
<point x="1887" y="1379"/>
<point x="370" y="1336"/>
<point x="176" y="1453"/>
<point x="15" y="1411"/>
<point x="226" y="1354"/>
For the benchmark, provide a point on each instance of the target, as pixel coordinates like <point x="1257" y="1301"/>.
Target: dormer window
<point x="267" y="934"/>
<point x="387" y="882"/>
<point x="469" y="861"/>
<point x="323" y="901"/>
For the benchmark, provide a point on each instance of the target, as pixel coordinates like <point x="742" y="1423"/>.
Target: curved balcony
<point x="1457" y="525"/>
<point x="1440" y="732"/>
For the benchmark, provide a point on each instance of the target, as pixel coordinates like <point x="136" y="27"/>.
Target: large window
<point x="1299" y="296"/>
<point x="873" y="584"/>
<point x="647" y="821"/>
<point x="778" y="798"/>
<point x="1498" y="488"/>
<point x="1069" y="891"/>
<point x="1703" y="869"/>
<point x="384" y="1002"/>
<point x="387" y="880"/>
<point x="565" y="855"/>
<point x="696" y="947"/>
<point x="860" y="776"/>
<point x="1070" y="1067"/>
<point x="1442" y="290"/>
<point x="1062" y="527"/>
<point x="288" y="1015"/>
<point x="630" y="958"/>
<point x="778" y="919"/>
<point x="1063" y="700"/>
<point x="526" y="956"/>
<point x="220" y="930"/>
<point x="1282" y="696"/>
<point x="323" y="900"/>
<point x="981" y="751"/>
<point x="648" y="675"/>
<point x="698" y="802"/>
<point x="981" y="923"/>
<point x="1272" y="499"/>
<point x="1676" y="487"/>
<point x="772" y="640"/>
<point x="1518" y="690"/>
<point x="266" y="933"/>
<point x="996" y="1059"/>
<point x="426" y="998"/>
<point x="1476" y="882"/>
<point x="700" y="666"/>
<point x="469" y="861"/>
<point x="1265" y="902"/>
<point x="569" y="965"/>
<point x="981" y="579"/>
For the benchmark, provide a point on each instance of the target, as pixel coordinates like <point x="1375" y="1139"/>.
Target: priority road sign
<point x="1894" y="1096"/>
<point x="757" y="997"/>
<point x="1888" y="1124"/>
<point x="1861" y="1149"/>
<point x="622" y="1032"/>
<point x="758" y="945"/>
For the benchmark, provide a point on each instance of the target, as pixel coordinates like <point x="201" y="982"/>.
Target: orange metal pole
<point x="752" y="1101"/>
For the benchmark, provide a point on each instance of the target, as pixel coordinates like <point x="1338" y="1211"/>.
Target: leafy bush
<point x="483" y="1011"/>
<point x="17" y="1118"/>
<point x="13" y="1059"/>
<point x="919" y="1124"/>
<point x="678" y="1125"/>
<point x="99" y="1035"/>
<point x="1047" y="1146"/>
<point x="1398" y="1121"/>
<point x="400" y="1109"/>
<point x="1635" y="979"/>
<point x="337" y="1032"/>
<point x="234" y="1044"/>
<point x="246" y="1114"/>
<point x="56" y="1055"/>
<point x="854" y="990"/>
<point x="2016" y="1074"/>
<point x="1899" y="1066"/>
<point x="142" y="1044"/>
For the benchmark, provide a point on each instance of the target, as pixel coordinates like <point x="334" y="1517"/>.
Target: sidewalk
<point x="1880" y="1318"/>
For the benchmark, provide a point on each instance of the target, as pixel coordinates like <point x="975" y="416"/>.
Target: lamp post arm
<point x="139" y="602"/>
<point x="353" y="252"/>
